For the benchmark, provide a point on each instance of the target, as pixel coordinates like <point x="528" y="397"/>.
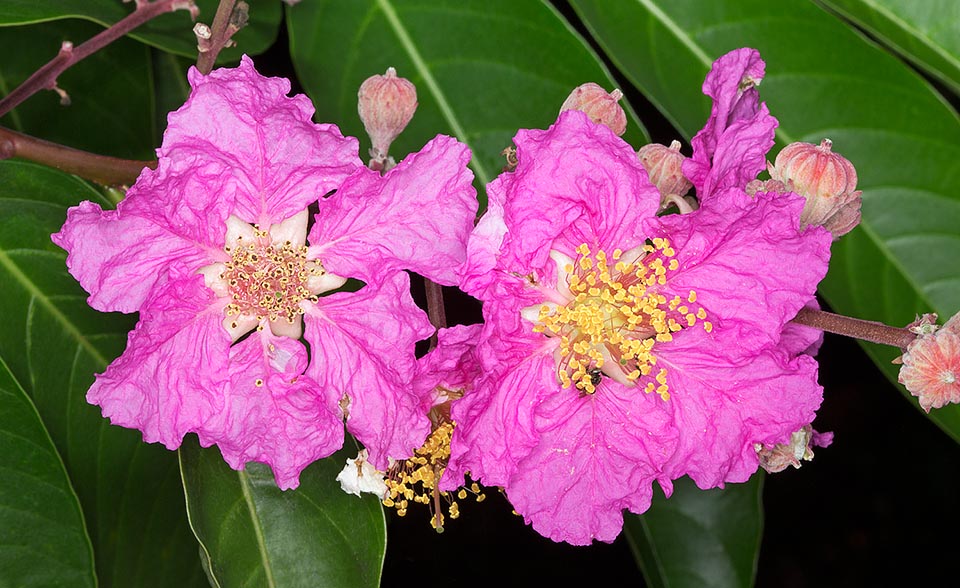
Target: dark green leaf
<point x="54" y="343"/>
<point x="699" y="538"/>
<point x="483" y="69"/>
<point x="43" y="541"/>
<point x="170" y="86"/>
<point x="823" y="80"/>
<point x="111" y="111"/>
<point x="927" y="33"/>
<point x="170" y="32"/>
<point x="253" y="534"/>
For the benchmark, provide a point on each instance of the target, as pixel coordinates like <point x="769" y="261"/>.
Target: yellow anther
<point x="701" y="314"/>
<point x="692" y="297"/>
<point x="707" y="326"/>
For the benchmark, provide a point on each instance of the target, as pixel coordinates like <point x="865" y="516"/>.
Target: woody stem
<point x="857" y="328"/>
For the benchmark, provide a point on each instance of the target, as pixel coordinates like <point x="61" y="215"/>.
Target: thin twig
<point x="435" y="309"/>
<point x="110" y="171"/>
<point x="45" y="78"/>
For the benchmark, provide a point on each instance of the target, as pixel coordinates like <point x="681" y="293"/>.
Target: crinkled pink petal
<point x="749" y="264"/>
<point x="575" y="182"/>
<point x="730" y="150"/>
<point x="120" y="256"/>
<point x="271" y="412"/>
<point x="796" y="338"/>
<point x="740" y="156"/>
<point x="362" y="348"/>
<point x="731" y="84"/>
<point x="495" y="423"/>
<point x="169" y="381"/>
<point x="596" y="455"/>
<point x="270" y="160"/>
<point x="415" y="217"/>
<point x="452" y="364"/>
<point x="722" y="405"/>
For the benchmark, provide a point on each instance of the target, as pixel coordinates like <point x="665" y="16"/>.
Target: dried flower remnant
<point x="664" y="165"/>
<point x="386" y="104"/>
<point x="931" y="363"/>
<point x="826" y="179"/>
<point x="601" y="106"/>
<point x="800" y="447"/>
<point x="212" y="250"/>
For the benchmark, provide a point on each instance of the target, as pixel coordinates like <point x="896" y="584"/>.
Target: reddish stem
<point x="857" y="328"/>
<point x="110" y="171"/>
<point x="435" y="309"/>
<point x="45" y="78"/>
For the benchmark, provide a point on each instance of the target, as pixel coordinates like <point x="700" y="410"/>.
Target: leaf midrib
<point x="446" y="110"/>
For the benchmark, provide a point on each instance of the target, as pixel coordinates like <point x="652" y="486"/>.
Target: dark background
<point x="879" y="507"/>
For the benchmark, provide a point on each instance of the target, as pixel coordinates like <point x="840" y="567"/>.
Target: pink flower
<point x="621" y="348"/>
<point x="931" y="364"/>
<point x="211" y="248"/>
<point x="731" y="148"/>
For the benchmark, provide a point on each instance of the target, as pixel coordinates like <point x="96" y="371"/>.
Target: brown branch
<point x="231" y="17"/>
<point x="110" y="171"/>
<point x="45" y="78"/>
<point x="856" y="328"/>
<point x="435" y="309"/>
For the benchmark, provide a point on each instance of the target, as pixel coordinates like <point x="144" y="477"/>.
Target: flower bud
<point x="931" y="363"/>
<point x="663" y="166"/>
<point x="601" y="106"/>
<point x="826" y="179"/>
<point x="386" y="104"/>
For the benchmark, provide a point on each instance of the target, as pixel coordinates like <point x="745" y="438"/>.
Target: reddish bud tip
<point x="601" y="106"/>
<point x="663" y="165"/>
<point x="386" y="104"/>
<point x="826" y="179"/>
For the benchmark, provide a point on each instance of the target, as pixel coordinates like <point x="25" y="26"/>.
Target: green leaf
<point x="496" y="67"/>
<point x="43" y="541"/>
<point x="253" y="534"/>
<point x="111" y="111"/>
<point x="53" y="343"/>
<point x="927" y="33"/>
<point x="699" y="538"/>
<point x="171" y="32"/>
<point x="823" y="80"/>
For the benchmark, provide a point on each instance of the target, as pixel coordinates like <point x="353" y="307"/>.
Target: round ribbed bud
<point x="826" y="179"/>
<point x="386" y="104"/>
<point x="601" y="106"/>
<point x="663" y="165"/>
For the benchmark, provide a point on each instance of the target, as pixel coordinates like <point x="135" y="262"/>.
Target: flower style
<point x="622" y="348"/>
<point x="211" y="248"/>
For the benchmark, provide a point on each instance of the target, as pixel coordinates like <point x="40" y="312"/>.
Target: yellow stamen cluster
<point x="416" y="479"/>
<point x="617" y="315"/>
<point x="268" y="280"/>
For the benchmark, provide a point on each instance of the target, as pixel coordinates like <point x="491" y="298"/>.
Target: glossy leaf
<point x="823" y="80"/>
<point x="43" y="540"/>
<point x="53" y="343"/>
<point x="110" y="111"/>
<point x="253" y="534"/>
<point x="927" y="33"/>
<point x="170" y="32"/>
<point x="497" y="66"/>
<point x="697" y="538"/>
